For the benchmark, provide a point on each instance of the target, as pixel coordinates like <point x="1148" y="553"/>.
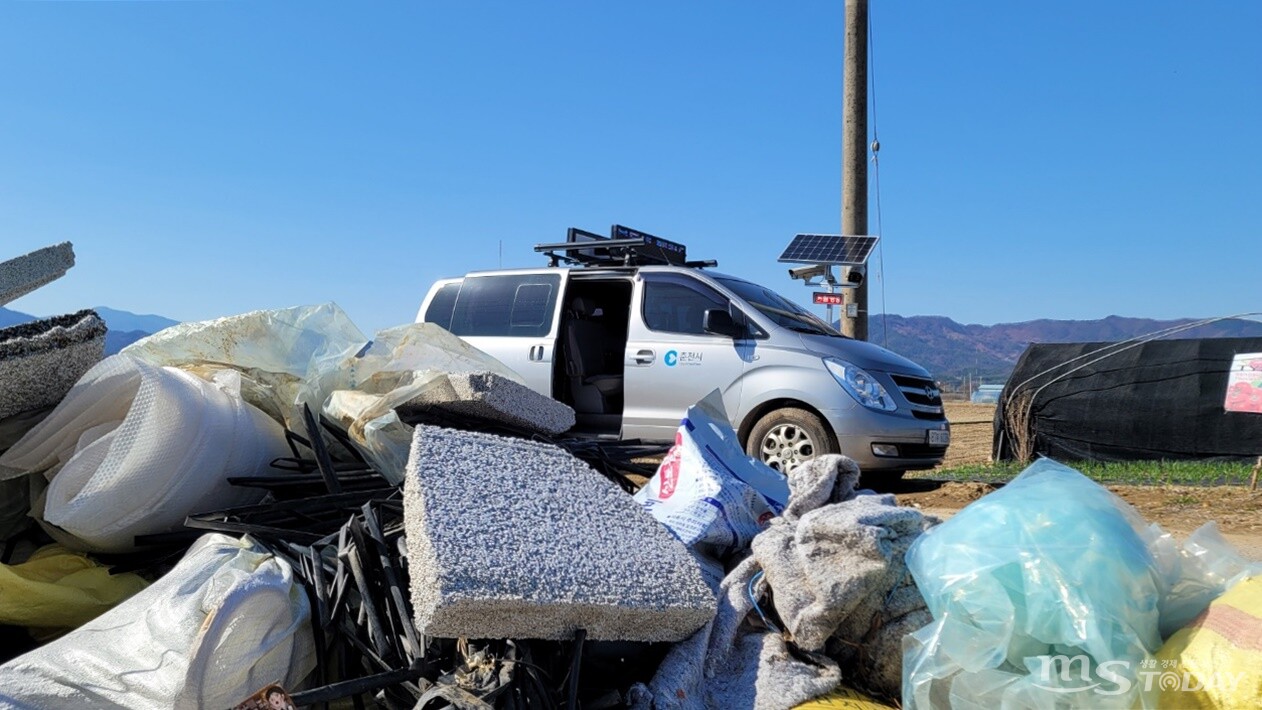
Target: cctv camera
<point x="808" y="272"/>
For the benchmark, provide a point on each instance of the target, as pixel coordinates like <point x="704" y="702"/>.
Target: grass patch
<point x="1143" y="473"/>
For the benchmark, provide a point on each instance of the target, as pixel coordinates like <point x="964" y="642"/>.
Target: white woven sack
<point x="226" y="621"/>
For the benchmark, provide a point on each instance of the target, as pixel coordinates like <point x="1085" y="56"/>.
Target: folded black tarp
<point x="1126" y="402"/>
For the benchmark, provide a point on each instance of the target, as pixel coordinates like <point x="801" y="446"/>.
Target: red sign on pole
<point x="827" y="299"/>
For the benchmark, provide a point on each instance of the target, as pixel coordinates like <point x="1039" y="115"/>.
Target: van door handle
<point x="644" y="357"/>
<point x="536" y="353"/>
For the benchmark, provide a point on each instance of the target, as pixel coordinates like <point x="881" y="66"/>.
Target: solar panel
<point x="829" y="249"/>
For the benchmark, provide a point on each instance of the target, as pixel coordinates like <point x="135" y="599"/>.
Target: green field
<point x="1155" y="473"/>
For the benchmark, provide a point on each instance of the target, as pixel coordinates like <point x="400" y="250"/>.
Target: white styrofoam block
<point x="509" y="538"/>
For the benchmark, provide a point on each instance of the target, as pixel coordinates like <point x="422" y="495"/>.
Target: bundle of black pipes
<point x="339" y="524"/>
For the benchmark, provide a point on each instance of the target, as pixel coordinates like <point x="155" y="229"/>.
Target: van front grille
<point x="923" y="395"/>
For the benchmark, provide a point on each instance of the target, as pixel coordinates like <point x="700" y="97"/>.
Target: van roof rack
<point x="624" y="247"/>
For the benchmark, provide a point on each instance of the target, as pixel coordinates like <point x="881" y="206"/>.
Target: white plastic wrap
<point x="315" y="356"/>
<point x="709" y="492"/>
<point x="227" y="620"/>
<point x="134" y="448"/>
<point x="400" y="365"/>
<point x="291" y="356"/>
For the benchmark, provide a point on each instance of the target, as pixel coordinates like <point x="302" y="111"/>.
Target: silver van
<point x="630" y="344"/>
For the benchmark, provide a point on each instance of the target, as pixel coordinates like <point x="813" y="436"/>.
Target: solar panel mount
<point x="845" y="249"/>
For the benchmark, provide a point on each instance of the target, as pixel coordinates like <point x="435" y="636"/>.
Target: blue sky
<point x="1038" y="160"/>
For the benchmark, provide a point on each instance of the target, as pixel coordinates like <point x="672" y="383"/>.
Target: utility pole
<point x="854" y="156"/>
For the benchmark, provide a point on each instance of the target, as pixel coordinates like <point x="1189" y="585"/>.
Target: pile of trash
<point x="1052" y="592"/>
<point x="273" y="509"/>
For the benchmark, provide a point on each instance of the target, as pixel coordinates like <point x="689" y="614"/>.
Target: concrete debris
<point x="40" y="361"/>
<point x="516" y="539"/>
<point x="491" y="397"/>
<point x="21" y="275"/>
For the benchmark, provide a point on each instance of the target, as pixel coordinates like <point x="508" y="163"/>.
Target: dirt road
<point x="1178" y="509"/>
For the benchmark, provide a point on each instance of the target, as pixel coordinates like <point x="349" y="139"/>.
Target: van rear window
<point x="439" y="311"/>
<point x="519" y="305"/>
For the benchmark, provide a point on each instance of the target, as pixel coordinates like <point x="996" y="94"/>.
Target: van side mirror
<point x="717" y="321"/>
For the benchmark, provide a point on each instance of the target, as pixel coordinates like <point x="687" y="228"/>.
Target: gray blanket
<point x="825" y="597"/>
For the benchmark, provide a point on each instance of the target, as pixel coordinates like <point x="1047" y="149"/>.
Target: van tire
<point x="787" y="438"/>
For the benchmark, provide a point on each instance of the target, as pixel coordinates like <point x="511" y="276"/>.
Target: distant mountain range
<point x="954" y="352"/>
<point x="125" y="327"/>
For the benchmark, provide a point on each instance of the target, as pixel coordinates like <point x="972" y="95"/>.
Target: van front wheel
<point x="787" y="438"/>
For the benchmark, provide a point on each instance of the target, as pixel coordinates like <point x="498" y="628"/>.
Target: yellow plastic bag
<point x="60" y="589"/>
<point x="843" y="698"/>
<point x="1216" y="661"/>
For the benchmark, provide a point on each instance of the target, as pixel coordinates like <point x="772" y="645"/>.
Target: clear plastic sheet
<point x="315" y="356"/>
<point x="400" y="365"/>
<point x="288" y="357"/>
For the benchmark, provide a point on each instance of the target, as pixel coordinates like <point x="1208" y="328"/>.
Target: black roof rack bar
<point x="603" y="244"/>
<point x="625" y="255"/>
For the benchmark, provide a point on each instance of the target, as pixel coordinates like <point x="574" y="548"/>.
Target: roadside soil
<point x="1178" y="509"/>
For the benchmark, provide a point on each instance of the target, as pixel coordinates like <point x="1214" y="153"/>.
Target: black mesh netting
<point x="1113" y="402"/>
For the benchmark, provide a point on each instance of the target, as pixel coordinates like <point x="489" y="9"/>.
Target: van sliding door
<point x="671" y="362"/>
<point x="513" y="317"/>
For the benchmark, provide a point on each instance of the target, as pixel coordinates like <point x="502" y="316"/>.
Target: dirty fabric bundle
<point x="833" y="564"/>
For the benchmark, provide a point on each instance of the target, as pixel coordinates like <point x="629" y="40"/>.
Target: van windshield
<point x="782" y="311"/>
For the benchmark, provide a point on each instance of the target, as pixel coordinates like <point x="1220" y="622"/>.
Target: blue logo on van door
<point x="672" y="357"/>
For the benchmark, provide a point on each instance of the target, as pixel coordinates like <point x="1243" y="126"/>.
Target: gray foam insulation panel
<point x="509" y="538"/>
<point x="21" y="275"/>
<point x="41" y="361"/>
<point x="488" y="396"/>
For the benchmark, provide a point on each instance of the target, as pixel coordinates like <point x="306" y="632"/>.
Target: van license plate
<point x="937" y="437"/>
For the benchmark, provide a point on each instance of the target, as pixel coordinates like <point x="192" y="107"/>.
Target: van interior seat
<point x="595" y="372"/>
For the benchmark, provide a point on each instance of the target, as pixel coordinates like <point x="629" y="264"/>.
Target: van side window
<point x="676" y="308"/>
<point x="530" y="306"/>
<point x="439" y="311"/>
<point x="514" y="305"/>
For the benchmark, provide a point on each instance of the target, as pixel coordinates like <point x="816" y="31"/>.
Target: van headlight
<point x="861" y="385"/>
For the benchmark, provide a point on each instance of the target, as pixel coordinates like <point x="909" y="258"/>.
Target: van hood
<point x="868" y="356"/>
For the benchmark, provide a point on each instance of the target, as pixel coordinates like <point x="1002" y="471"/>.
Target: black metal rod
<point x="414" y="648"/>
<point x="321" y="451"/>
<point x="376" y="633"/>
<point x="355" y="686"/>
<point x="571" y="702"/>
